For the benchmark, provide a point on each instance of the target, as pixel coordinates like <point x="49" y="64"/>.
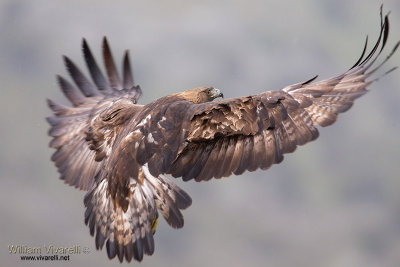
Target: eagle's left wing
<point x="77" y="164"/>
<point x="84" y="136"/>
<point x="235" y="135"/>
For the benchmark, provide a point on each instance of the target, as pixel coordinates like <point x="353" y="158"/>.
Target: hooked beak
<point x="217" y="93"/>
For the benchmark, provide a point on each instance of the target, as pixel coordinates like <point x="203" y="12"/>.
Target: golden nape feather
<point x="122" y="153"/>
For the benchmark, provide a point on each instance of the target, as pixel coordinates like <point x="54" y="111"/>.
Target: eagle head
<point x="201" y="94"/>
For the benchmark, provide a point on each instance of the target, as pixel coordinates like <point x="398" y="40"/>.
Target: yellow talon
<point x="154" y="225"/>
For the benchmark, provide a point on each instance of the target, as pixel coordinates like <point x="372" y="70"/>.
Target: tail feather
<point x="169" y="198"/>
<point x="129" y="234"/>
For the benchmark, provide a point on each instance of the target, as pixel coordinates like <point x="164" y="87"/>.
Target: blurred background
<point x="334" y="202"/>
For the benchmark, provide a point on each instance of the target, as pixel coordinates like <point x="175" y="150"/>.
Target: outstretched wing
<point x="235" y="135"/>
<point x="92" y="116"/>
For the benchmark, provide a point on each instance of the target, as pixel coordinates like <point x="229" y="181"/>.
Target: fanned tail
<point x="128" y="233"/>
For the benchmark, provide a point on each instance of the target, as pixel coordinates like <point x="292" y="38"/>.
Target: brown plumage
<point x="120" y="151"/>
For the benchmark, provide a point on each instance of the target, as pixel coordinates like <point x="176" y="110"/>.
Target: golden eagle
<point x="120" y="151"/>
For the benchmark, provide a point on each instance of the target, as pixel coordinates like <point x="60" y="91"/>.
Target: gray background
<point x="335" y="202"/>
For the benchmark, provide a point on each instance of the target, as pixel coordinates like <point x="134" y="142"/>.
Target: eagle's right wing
<point x="93" y="113"/>
<point x="221" y="138"/>
<point x="235" y="135"/>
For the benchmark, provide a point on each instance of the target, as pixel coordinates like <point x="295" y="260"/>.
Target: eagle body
<point x="124" y="154"/>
